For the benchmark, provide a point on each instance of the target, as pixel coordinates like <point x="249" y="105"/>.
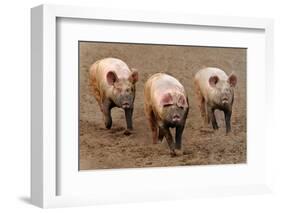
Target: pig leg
<point x="227" y="115"/>
<point x="179" y="131"/>
<point x="160" y="135"/>
<point x="96" y="92"/>
<point x="207" y="117"/>
<point x="202" y="104"/>
<point x="211" y="114"/>
<point x="201" y="101"/>
<point x="106" y="109"/>
<point x="153" y="126"/>
<point x="169" y="139"/>
<point x="129" y="115"/>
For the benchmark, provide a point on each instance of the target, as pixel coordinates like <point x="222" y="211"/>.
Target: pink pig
<point x="215" y="90"/>
<point x="113" y="85"/>
<point x="166" y="106"/>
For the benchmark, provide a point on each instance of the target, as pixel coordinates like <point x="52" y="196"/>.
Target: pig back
<point x="202" y="79"/>
<point x="99" y="70"/>
<point x="160" y="84"/>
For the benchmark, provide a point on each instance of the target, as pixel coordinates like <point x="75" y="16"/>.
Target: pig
<point x="166" y="106"/>
<point x="215" y="91"/>
<point x="114" y="85"/>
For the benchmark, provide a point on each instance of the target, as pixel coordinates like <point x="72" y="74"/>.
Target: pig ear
<point x="182" y="102"/>
<point x="134" y="77"/>
<point x="111" y="77"/>
<point x="166" y="100"/>
<point x="213" y="80"/>
<point x="232" y="80"/>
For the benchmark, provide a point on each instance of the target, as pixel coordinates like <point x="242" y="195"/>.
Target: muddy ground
<point x="101" y="148"/>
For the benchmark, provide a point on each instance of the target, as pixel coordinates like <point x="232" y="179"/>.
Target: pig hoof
<point x="178" y="147"/>
<point x="173" y="154"/>
<point x="228" y="131"/>
<point x="159" y="141"/>
<point x="127" y="132"/>
<point x="187" y="152"/>
<point x="206" y="130"/>
<point x="179" y="152"/>
<point x="229" y="134"/>
<point x="108" y="125"/>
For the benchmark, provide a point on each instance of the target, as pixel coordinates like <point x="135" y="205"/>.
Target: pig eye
<point x="167" y="105"/>
<point x="127" y="90"/>
<point x="227" y="90"/>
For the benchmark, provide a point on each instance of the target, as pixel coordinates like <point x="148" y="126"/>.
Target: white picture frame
<point x="44" y="150"/>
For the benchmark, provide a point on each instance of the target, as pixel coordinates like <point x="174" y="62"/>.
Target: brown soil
<point x="101" y="148"/>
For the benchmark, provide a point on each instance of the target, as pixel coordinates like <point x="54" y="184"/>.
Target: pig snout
<point x="126" y="104"/>
<point x="226" y="97"/>
<point x="224" y="100"/>
<point x="173" y="115"/>
<point x="176" y="118"/>
<point x="126" y="101"/>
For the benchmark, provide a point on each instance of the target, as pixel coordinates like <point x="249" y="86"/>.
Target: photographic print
<point x="159" y="105"/>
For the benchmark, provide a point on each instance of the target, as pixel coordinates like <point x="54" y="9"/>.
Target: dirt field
<point x="101" y="148"/>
